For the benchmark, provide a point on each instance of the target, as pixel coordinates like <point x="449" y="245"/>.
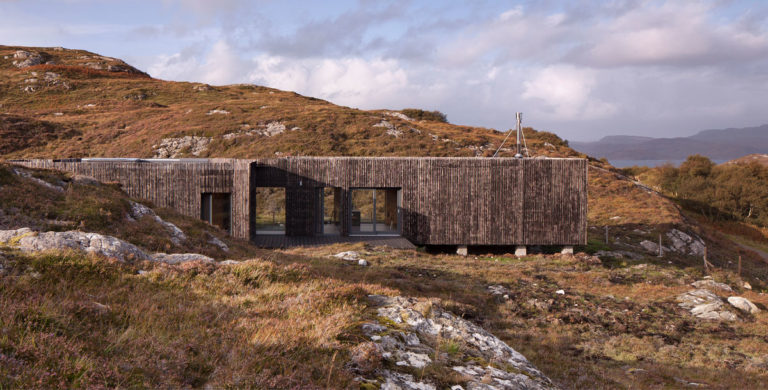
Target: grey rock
<point x="353" y="257"/>
<point x="107" y="246"/>
<point x="428" y="321"/>
<point x="413" y="359"/>
<point x="138" y="211"/>
<point x="401" y="381"/>
<point x="686" y="244"/>
<point x="711" y="284"/>
<point x="650" y="246"/>
<point x="743" y="304"/>
<point x="705" y="304"/>
<point x="213" y="240"/>
<point x="178" y="258"/>
<point x="370" y="328"/>
<point x="348" y="255"/>
<point x="173" y="147"/>
<point x="230" y="262"/>
<point x="26" y="59"/>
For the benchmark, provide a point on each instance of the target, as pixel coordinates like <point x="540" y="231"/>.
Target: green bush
<point x="419" y="114"/>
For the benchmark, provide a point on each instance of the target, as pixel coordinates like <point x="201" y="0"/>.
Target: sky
<point x="581" y="69"/>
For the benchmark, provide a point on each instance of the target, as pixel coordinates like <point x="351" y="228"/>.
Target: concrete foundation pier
<point x="567" y="250"/>
<point x="461" y="250"/>
<point x="521" y="250"/>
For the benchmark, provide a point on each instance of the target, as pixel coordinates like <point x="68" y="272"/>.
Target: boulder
<point x="743" y="304"/>
<point x="686" y="244"/>
<point x="108" y="246"/>
<point x="26" y="59"/>
<point x="711" y="285"/>
<point x="178" y="258"/>
<point x="705" y="304"/>
<point x="650" y="246"/>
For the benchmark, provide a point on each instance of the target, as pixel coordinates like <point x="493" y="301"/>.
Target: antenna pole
<point x="519" y="117"/>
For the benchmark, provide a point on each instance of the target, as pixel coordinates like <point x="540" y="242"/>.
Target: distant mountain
<point x="724" y="144"/>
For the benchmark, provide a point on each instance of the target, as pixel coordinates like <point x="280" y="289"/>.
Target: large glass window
<point x="328" y="211"/>
<point x="270" y="210"/>
<point x="375" y="211"/>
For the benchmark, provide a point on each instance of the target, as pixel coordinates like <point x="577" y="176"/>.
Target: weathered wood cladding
<point x="445" y="201"/>
<point x="173" y="184"/>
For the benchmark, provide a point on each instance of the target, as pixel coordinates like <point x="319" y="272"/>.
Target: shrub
<point x="419" y="114"/>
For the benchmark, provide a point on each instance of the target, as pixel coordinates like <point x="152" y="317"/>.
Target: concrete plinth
<point x="521" y="250"/>
<point x="567" y="250"/>
<point x="461" y="250"/>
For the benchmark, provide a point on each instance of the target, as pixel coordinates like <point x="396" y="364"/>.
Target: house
<point x="426" y="200"/>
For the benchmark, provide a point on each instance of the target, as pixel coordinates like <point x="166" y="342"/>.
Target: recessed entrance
<point x="216" y="209"/>
<point x="270" y="211"/>
<point x="375" y="211"/>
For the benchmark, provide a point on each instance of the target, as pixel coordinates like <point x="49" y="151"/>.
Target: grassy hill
<point x="68" y="108"/>
<point x="72" y="320"/>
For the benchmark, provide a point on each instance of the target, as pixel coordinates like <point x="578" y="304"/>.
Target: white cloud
<point x="674" y="33"/>
<point x="350" y="81"/>
<point x="564" y="92"/>
<point x="221" y="65"/>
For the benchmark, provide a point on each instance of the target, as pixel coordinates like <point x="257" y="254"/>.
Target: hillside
<point x="761" y="159"/>
<point x="613" y="316"/>
<point x="65" y="107"/>
<point x="721" y="144"/>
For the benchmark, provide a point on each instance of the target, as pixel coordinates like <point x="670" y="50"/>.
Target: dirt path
<point x="762" y="254"/>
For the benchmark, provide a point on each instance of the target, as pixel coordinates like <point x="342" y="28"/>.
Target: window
<point x="216" y="209"/>
<point x="270" y="210"/>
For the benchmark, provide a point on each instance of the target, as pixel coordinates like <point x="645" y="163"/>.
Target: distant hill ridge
<point x="723" y="144"/>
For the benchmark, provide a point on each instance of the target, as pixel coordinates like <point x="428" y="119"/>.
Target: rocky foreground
<point x="412" y="334"/>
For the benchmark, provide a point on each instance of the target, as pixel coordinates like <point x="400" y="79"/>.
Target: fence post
<point x="661" y="251"/>
<point x="706" y="268"/>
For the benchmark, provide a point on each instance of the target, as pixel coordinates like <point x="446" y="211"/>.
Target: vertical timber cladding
<point x="555" y="202"/>
<point x="446" y="201"/>
<point x="176" y="184"/>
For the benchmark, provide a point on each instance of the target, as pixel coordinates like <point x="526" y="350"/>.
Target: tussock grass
<point x="70" y="320"/>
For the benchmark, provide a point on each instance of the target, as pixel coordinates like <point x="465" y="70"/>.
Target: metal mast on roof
<point x="519" y="117"/>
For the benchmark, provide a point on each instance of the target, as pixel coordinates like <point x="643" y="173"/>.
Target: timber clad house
<point x="426" y="200"/>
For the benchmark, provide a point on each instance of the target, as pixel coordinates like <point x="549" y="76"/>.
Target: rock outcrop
<point x="173" y="147"/>
<point x="28" y="240"/>
<point x="417" y="333"/>
<point x="685" y="243"/>
<point x="704" y="304"/>
<point x="25" y="59"/>
<point x="138" y="211"/>
<point x="743" y="304"/>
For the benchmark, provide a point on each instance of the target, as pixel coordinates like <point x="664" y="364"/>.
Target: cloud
<point x="220" y="65"/>
<point x="350" y="81"/>
<point x="673" y="33"/>
<point x="564" y="93"/>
